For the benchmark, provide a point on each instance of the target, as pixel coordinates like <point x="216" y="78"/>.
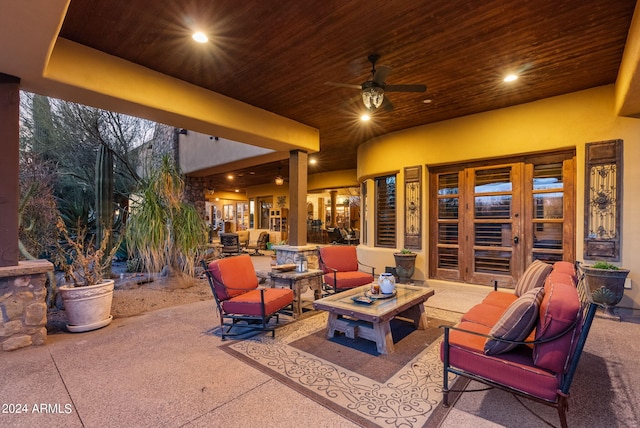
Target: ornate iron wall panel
<point x="603" y="191"/>
<point x="413" y="207"/>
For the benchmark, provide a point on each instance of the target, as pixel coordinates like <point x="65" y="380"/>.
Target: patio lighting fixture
<point x="511" y="77"/>
<point x="372" y="95"/>
<point x="200" y="37"/>
<point x="279" y="180"/>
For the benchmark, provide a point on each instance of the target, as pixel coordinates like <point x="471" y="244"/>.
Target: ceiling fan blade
<point x="386" y="104"/>
<point x="381" y="74"/>
<point x="405" y="88"/>
<point x="343" y="85"/>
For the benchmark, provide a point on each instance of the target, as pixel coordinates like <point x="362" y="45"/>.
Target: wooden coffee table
<point x="371" y="321"/>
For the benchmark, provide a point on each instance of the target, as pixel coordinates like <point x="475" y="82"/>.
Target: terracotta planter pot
<point x="88" y="308"/>
<point x="405" y="266"/>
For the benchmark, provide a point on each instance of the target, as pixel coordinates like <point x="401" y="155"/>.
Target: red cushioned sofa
<point x="528" y="342"/>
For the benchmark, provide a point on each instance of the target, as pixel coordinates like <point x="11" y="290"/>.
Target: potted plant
<point x="405" y="264"/>
<point x="86" y="294"/>
<point x="606" y="283"/>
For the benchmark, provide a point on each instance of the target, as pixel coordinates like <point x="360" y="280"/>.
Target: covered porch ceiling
<point x="261" y="77"/>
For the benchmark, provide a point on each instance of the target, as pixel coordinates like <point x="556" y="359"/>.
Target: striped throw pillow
<point x="516" y="323"/>
<point x="533" y="277"/>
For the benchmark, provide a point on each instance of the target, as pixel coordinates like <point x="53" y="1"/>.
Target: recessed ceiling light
<point x="511" y="77"/>
<point x="365" y="117"/>
<point x="229" y="177"/>
<point x="313" y="161"/>
<point x="200" y="37"/>
<point x="427" y="101"/>
<point x="237" y="190"/>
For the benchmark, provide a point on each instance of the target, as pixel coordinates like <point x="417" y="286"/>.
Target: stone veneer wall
<point x="23" y="309"/>
<point x="285" y="254"/>
<point x="194" y="193"/>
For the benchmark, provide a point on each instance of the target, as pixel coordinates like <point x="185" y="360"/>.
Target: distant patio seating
<point x="261" y="244"/>
<point x="230" y="244"/>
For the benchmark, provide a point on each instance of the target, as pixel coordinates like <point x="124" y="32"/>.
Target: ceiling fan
<point x="373" y="90"/>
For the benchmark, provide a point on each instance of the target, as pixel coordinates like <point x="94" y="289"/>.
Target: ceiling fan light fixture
<point x="372" y="96"/>
<point x="279" y="180"/>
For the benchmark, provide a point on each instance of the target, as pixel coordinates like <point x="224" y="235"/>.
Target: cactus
<point x="104" y="199"/>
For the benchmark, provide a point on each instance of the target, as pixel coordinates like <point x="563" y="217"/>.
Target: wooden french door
<point x="489" y="222"/>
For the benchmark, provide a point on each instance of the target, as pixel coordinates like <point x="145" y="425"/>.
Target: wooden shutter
<point x="386" y="211"/>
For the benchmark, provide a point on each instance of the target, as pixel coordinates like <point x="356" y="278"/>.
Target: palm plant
<point x="162" y="229"/>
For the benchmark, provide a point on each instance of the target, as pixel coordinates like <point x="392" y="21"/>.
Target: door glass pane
<point x="487" y="261"/>
<point x="549" y="258"/>
<point x="547" y="176"/>
<point x="547" y="236"/>
<point x="448" y="234"/>
<point x="548" y="205"/>
<point x="448" y="208"/>
<point x="493" y="180"/>
<point x="498" y="206"/>
<point x="493" y="235"/>
<point x="448" y="258"/>
<point x="448" y="184"/>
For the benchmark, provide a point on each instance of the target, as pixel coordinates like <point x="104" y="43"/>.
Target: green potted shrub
<point x="606" y="283"/>
<point x="86" y="294"/>
<point x="405" y="264"/>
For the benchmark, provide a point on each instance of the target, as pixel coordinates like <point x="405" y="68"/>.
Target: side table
<point x="299" y="282"/>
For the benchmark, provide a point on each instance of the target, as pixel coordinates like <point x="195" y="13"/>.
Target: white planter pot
<point x="88" y="308"/>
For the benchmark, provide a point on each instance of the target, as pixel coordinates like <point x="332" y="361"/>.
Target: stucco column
<point x="334" y="197"/>
<point x="9" y="168"/>
<point x="298" y="198"/>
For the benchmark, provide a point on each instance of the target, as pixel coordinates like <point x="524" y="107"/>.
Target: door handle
<point x="516" y="240"/>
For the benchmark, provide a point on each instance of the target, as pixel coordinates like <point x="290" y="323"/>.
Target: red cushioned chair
<point x="341" y="268"/>
<point x="234" y="285"/>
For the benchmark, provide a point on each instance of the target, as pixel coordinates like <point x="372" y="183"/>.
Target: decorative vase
<point x="606" y="286"/>
<point x="88" y="308"/>
<point x="405" y="266"/>
<point x="387" y="283"/>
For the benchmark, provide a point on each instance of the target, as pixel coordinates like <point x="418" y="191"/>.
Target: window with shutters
<point x="385" y="226"/>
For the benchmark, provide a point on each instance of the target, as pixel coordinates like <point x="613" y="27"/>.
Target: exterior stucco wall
<point x="554" y="123"/>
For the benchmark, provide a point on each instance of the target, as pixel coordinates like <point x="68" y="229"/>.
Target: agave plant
<point x="162" y="229"/>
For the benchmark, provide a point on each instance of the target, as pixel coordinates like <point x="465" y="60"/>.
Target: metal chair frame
<point x="328" y="289"/>
<point x="261" y="244"/>
<point x="230" y="320"/>
<point x="583" y="323"/>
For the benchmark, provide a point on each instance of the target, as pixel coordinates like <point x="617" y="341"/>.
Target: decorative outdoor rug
<point x="402" y="389"/>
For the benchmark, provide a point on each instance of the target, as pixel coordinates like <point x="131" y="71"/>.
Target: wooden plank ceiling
<point x="278" y="55"/>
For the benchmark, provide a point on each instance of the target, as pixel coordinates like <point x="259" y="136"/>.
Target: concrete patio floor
<point x="162" y="368"/>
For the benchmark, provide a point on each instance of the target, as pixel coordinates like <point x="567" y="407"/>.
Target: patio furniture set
<point x="528" y="341"/>
<point x="239" y="298"/>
